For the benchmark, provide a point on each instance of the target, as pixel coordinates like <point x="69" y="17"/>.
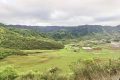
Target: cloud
<point x="60" y="12"/>
<point x="59" y="15"/>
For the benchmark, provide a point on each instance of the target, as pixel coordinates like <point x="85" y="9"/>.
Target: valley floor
<point x="43" y="60"/>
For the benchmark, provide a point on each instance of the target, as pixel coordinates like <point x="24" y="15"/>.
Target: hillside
<point x="26" y="39"/>
<point x="72" y="32"/>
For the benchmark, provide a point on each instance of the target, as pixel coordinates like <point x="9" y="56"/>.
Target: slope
<point x="25" y="39"/>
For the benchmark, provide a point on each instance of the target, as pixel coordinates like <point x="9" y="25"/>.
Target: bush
<point x="7" y="52"/>
<point x="52" y="74"/>
<point x="9" y="73"/>
<point x="92" y="70"/>
<point x="29" y="76"/>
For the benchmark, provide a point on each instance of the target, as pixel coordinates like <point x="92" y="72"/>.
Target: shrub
<point x="29" y="76"/>
<point x="7" y="52"/>
<point x="92" y="70"/>
<point x="53" y="74"/>
<point x="9" y="73"/>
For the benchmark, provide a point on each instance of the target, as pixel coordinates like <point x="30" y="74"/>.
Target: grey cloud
<point x="60" y="12"/>
<point x="108" y="18"/>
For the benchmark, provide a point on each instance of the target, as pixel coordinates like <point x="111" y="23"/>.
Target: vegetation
<point x="26" y="40"/>
<point x="7" y="52"/>
<point x="88" y="52"/>
<point x="94" y="69"/>
<point x="8" y="73"/>
<point x="27" y="43"/>
<point x="82" y="70"/>
<point x="75" y="32"/>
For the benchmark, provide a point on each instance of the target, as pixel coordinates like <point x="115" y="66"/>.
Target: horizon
<point x="61" y="25"/>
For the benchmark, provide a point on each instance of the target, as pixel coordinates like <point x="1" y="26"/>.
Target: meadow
<point x="43" y="60"/>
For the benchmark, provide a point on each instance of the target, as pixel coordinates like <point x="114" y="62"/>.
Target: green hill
<point x="14" y="38"/>
<point x="75" y="32"/>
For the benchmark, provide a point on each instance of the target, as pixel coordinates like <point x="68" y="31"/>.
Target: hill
<point x="73" y="32"/>
<point x="14" y="38"/>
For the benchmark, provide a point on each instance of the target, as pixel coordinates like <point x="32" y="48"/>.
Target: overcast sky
<point x="60" y="12"/>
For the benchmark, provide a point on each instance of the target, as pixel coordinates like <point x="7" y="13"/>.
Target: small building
<point x="115" y="45"/>
<point x="87" y="48"/>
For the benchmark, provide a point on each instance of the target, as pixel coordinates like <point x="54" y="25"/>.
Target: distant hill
<point x="72" y="32"/>
<point x="14" y="38"/>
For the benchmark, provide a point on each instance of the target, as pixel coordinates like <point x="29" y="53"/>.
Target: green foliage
<point x="9" y="73"/>
<point x="7" y="52"/>
<point x="92" y="69"/>
<point x="82" y="70"/>
<point x="28" y="33"/>
<point x="52" y="74"/>
<point x="29" y="76"/>
<point x="71" y="32"/>
<point x="24" y="39"/>
<point x="28" y="43"/>
<point x="62" y="34"/>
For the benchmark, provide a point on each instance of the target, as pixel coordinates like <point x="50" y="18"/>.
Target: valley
<point x="44" y="59"/>
<point x="26" y="53"/>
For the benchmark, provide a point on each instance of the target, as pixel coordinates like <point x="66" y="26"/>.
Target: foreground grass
<point x="81" y="70"/>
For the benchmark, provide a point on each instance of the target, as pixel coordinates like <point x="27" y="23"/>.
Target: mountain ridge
<point x="72" y="32"/>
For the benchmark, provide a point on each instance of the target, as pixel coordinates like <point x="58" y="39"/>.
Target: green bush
<point x="9" y="73"/>
<point x="7" y="52"/>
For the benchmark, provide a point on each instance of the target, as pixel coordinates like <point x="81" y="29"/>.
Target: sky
<point x="60" y="12"/>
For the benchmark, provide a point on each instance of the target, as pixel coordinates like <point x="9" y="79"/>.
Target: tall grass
<point x="94" y="69"/>
<point x="52" y="74"/>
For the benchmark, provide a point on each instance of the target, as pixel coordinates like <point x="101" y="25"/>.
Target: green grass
<point x="45" y="59"/>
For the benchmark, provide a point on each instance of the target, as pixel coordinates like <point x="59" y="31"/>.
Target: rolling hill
<point x="73" y="32"/>
<point x="14" y="38"/>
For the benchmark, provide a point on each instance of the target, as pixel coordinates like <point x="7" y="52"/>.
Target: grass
<point x="42" y="60"/>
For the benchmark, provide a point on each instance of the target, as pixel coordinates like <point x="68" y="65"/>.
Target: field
<point x="43" y="60"/>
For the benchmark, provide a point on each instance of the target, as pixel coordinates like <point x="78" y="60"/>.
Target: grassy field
<point x="45" y="59"/>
